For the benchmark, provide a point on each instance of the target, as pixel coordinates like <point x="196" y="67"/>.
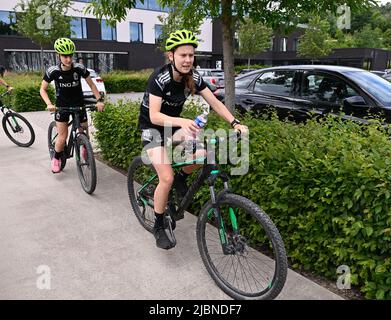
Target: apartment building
<point x="130" y="45"/>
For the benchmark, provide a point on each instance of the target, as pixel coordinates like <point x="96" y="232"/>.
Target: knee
<point x="167" y="180"/>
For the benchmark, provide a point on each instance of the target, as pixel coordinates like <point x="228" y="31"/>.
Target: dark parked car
<point x="297" y="91"/>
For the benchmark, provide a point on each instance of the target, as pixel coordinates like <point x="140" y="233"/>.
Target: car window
<point x="377" y="86"/>
<point x="325" y="87"/>
<point x="219" y="74"/>
<point x="275" y="82"/>
<point x="244" y="82"/>
<point x="204" y="73"/>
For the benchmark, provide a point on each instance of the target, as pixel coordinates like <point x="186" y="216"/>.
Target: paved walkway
<point x="93" y="246"/>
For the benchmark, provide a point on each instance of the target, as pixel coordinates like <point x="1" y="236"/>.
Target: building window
<point x="79" y="28"/>
<point x="272" y="47"/>
<point x="7" y="19"/>
<point x="136" y="32"/>
<point x="283" y="42"/>
<point x="158" y="33"/>
<point x="150" y="5"/>
<point x="108" y="32"/>
<point x="295" y="44"/>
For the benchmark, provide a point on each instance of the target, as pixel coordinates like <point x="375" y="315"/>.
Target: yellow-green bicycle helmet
<point x="64" y="46"/>
<point x="181" y="37"/>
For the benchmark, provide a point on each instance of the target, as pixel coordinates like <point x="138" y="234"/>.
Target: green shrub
<point x="326" y="185"/>
<point x="25" y="96"/>
<point x="121" y="81"/>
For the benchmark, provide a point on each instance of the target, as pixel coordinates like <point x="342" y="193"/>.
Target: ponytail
<point x="189" y="82"/>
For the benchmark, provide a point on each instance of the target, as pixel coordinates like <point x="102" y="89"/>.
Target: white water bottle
<point x="201" y="121"/>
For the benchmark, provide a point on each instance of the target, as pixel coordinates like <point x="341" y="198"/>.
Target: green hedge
<point x="25" y="96"/>
<point x="120" y="81"/>
<point x="325" y="184"/>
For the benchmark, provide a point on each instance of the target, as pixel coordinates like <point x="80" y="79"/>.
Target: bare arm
<point x="5" y="84"/>
<point x="217" y="105"/>
<point x="45" y="97"/>
<point x="100" y="105"/>
<point x="220" y="108"/>
<point x="93" y="87"/>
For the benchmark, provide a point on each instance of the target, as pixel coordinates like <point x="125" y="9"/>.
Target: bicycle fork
<point x="226" y="244"/>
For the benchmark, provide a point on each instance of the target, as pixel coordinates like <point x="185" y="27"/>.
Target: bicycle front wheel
<point x="244" y="254"/>
<point x="18" y="129"/>
<point x="85" y="163"/>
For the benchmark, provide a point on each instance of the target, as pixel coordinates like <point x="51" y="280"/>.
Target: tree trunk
<point x="42" y="66"/>
<point x="228" y="54"/>
<point x="248" y="63"/>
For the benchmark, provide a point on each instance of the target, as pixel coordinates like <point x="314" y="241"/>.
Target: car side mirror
<point x="355" y="101"/>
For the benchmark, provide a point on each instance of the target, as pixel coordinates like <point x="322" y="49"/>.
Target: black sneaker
<point x="162" y="241"/>
<point x="166" y="221"/>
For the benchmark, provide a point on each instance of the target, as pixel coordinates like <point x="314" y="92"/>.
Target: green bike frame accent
<point x="200" y="160"/>
<point x="223" y="238"/>
<point x="233" y="219"/>
<point x="16" y="123"/>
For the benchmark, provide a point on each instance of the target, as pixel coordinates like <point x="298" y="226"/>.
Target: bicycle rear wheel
<point x="52" y="136"/>
<point x="85" y="163"/>
<point x="18" y="129"/>
<point x="254" y="264"/>
<point x="141" y="199"/>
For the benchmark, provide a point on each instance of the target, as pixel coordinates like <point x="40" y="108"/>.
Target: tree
<point x="316" y="41"/>
<point x="43" y="21"/>
<point x="175" y="21"/>
<point x="253" y="38"/>
<point x="343" y="40"/>
<point x="368" y="38"/>
<point x="387" y="39"/>
<point x="272" y="13"/>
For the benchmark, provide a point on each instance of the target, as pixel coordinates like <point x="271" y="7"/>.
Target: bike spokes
<point x="242" y="257"/>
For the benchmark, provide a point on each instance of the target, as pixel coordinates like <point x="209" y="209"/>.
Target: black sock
<point x="58" y="155"/>
<point x="159" y="221"/>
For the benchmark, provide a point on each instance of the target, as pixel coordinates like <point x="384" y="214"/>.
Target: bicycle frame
<point x="211" y="173"/>
<point x="15" y="128"/>
<point x="76" y="125"/>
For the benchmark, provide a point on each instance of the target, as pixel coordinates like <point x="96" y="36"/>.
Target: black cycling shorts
<point x="152" y="138"/>
<point x="63" y="116"/>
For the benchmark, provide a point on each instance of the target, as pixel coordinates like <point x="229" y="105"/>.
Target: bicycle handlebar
<point x="215" y="140"/>
<point x="5" y="93"/>
<point x="92" y="107"/>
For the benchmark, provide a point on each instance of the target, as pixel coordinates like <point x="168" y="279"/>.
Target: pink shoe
<point x="84" y="153"/>
<point x="56" y="165"/>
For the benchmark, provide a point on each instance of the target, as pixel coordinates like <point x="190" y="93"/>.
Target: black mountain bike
<point x="239" y="244"/>
<point x="16" y="127"/>
<point x="78" y="144"/>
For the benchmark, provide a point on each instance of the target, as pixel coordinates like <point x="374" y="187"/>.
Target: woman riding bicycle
<point x="69" y="93"/>
<point x="167" y="90"/>
<point x="2" y="72"/>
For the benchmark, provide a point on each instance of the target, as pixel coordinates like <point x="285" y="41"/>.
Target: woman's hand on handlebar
<point x="100" y="106"/>
<point x="51" y="107"/>
<point x="242" y="128"/>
